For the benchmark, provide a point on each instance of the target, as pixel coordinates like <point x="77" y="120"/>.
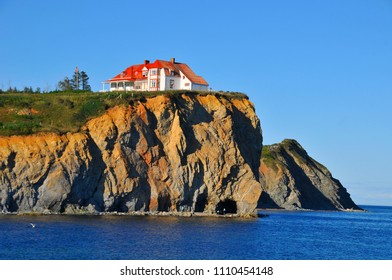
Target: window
<point x="113" y="85"/>
<point x="171" y="73"/>
<point x="154" y="72"/>
<point x="187" y="84"/>
<point x="153" y="83"/>
<point x="120" y="84"/>
<point x="171" y="83"/>
<point x="145" y="73"/>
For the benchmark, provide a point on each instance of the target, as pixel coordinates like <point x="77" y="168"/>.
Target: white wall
<point x="152" y="77"/>
<point x="177" y="83"/>
<point x="185" y="82"/>
<point x="129" y="86"/>
<point x="199" y="87"/>
<point x="162" y="82"/>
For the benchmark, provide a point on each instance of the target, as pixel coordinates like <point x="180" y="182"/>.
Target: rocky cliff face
<point x="291" y="179"/>
<point x="187" y="153"/>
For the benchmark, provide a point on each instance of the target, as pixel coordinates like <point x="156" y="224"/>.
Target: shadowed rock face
<point x="293" y="180"/>
<point x="187" y="153"/>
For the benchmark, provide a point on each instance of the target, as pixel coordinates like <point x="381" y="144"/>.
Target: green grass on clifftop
<point x="61" y="112"/>
<point x="270" y="154"/>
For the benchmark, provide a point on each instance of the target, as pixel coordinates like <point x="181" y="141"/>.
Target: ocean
<point x="282" y="235"/>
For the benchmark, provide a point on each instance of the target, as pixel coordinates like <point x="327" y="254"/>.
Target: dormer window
<point x="172" y="73"/>
<point x="145" y="73"/>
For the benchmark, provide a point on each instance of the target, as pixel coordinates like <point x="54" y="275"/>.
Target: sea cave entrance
<point x="227" y="206"/>
<point x="164" y="203"/>
<point x="201" y="203"/>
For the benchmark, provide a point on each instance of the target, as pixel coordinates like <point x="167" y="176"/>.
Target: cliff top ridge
<point x="62" y="112"/>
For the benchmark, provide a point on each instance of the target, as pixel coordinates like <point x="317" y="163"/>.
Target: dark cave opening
<point x="201" y="203"/>
<point x="164" y="203"/>
<point x="227" y="206"/>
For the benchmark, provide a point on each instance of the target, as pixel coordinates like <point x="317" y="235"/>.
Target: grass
<point x="270" y="156"/>
<point x="61" y="112"/>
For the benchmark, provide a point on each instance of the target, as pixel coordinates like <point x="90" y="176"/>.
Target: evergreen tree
<point x="75" y="81"/>
<point x="84" y="80"/>
<point x="65" y="85"/>
<point x="79" y="81"/>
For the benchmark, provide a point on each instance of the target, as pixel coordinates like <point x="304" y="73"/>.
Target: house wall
<point x="144" y="85"/>
<point x="162" y="83"/>
<point x="199" y="87"/>
<point x="119" y="86"/>
<point x="165" y="81"/>
<point x="185" y="82"/>
<point x="112" y="86"/>
<point x="129" y="86"/>
<point x="177" y="83"/>
<point x="152" y="77"/>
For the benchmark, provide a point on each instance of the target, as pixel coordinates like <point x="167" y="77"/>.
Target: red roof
<point x="135" y="72"/>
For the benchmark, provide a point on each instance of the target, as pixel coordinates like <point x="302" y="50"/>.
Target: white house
<point x="160" y="75"/>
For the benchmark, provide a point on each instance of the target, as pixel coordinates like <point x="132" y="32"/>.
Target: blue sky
<point x="317" y="71"/>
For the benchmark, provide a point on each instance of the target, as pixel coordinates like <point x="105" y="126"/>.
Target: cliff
<point x="291" y="179"/>
<point x="181" y="153"/>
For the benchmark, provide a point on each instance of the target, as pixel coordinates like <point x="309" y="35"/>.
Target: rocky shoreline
<point x="136" y="213"/>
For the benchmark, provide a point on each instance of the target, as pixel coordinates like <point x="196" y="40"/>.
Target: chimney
<point x="146" y="62"/>
<point x="173" y="60"/>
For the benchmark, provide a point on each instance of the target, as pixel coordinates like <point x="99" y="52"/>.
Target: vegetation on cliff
<point x="61" y="112"/>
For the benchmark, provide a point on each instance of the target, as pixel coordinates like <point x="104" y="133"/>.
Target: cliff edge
<point x="291" y="180"/>
<point x="187" y="153"/>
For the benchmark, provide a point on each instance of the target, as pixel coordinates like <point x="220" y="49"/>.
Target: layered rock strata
<point x="189" y="153"/>
<point x="291" y="180"/>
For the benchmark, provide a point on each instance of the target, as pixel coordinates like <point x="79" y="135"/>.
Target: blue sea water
<point x="299" y="235"/>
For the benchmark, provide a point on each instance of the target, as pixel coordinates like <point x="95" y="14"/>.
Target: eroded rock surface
<point x="187" y="153"/>
<point x="291" y="180"/>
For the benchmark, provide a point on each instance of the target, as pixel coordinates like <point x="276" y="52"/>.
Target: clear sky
<point x="317" y="71"/>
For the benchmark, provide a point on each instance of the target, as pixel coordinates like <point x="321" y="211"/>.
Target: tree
<point x="75" y="81"/>
<point x="65" y="85"/>
<point x="84" y="80"/>
<point x="79" y="81"/>
<point x="28" y="90"/>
